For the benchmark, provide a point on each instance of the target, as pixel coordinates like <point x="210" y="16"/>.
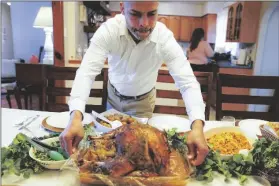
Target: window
<point x="221" y="28"/>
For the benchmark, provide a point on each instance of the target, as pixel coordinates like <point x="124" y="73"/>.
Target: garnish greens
<point x="263" y="157"/>
<point x="15" y="158"/>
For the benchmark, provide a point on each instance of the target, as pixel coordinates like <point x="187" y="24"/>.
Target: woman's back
<point x="200" y="54"/>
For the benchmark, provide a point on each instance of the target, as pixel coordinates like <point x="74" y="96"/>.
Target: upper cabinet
<point x="209" y="26"/>
<point x="243" y="22"/>
<point x="185" y="29"/>
<point x="174" y="26"/>
<point x="164" y="19"/>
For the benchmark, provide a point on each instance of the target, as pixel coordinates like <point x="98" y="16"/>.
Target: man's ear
<point x="122" y="7"/>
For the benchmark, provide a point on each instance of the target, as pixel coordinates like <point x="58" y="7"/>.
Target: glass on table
<point x="228" y="120"/>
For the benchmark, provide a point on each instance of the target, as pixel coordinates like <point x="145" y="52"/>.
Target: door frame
<point x="262" y="35"/>
<point x="58" y="33"/>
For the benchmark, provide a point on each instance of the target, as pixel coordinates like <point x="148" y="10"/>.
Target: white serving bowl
<point x="168" y="122"/>
<point x="219" y="130"/>
<point x="47" y="164"/>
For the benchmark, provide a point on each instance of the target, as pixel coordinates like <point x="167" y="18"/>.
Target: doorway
<point x="267" y="63"/>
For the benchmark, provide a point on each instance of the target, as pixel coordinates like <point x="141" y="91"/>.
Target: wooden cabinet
<point x="174" y="26"/>
<point x="243" y="22"/>
<point x="164" y="19"/>
<point x="183" y="26"/>
<point x="185" y="29"/>
<point x="209" y="26"/>
<point x="196" y="23"/>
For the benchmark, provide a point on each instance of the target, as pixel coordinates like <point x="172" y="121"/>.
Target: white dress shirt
<point x="133" y="68"/>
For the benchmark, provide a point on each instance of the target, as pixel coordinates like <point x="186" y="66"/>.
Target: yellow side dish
<point x="229" y="143"/>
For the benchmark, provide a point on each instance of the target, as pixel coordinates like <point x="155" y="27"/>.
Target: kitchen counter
<point x="228" y="64"/>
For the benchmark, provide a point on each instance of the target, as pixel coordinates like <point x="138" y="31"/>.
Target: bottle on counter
<point x="79" y="52"/>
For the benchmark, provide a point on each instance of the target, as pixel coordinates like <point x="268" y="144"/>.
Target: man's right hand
<point x="73" y="134"/>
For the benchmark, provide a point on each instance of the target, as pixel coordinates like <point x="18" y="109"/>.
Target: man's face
<point x="140" y="17"/>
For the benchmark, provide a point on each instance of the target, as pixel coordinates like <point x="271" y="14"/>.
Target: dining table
<point x="67" y="177"/>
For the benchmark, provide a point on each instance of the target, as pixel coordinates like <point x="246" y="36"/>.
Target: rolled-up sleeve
<point x="182" y="73"/>
<point x="91" y="65"/>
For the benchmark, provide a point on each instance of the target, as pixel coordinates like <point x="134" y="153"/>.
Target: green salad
<point x="44" y="156"/>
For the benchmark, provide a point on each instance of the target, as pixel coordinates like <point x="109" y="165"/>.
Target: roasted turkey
<point x="133" y="150"/>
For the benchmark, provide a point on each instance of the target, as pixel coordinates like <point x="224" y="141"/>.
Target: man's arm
<point x="91" y="66"/>
<point x="182" y="73"/>
<point x="185" y="80"/>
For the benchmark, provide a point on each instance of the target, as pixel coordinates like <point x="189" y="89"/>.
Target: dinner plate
<point x="252" y="127"/>
<point x="167" y="122"/>
<point x="61" y="120"/>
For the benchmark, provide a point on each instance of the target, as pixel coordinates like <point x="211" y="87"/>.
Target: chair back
<point x="55" y="88"/>
<point x="204" y="78"/>
<point x="255" y="82"/>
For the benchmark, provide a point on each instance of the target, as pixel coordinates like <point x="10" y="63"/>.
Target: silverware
<point x="21" y="123"/>
<point x="28" y="123"/>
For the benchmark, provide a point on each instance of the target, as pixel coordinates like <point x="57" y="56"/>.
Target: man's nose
<point x="144" y="21"/>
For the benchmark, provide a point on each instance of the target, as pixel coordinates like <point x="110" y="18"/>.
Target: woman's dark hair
<point x="197" y="35"/>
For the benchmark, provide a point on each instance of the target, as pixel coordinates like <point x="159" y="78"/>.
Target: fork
<point x="21" y="123"/>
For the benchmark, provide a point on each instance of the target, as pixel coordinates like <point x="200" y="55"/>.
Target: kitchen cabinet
<point x="188" y="25"/>
<point x="209" y="26"/>
<point x="174" y="26"/>
<point x="164" y="19"/>
<point x="196" y="23"/>
<point x="243" y="22"/>
<point x="185" y="29"/>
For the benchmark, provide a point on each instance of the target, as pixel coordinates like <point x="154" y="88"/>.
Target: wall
<point x="7" y="33"/>
<point x="213" y="7"/>
<point x="172" y="8"/>
<point x="27" y="39"/>
<point x="73" y="31"/>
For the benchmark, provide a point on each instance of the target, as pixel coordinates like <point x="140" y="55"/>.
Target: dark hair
<point x="197" y="35"/>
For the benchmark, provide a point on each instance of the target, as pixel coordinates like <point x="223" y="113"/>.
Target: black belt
<point x="128" y="97"/>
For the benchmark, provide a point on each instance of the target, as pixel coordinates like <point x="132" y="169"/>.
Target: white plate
<point x="166" y="122"/>
<point x="251" y="127"/>
<point x="61" y="120"/>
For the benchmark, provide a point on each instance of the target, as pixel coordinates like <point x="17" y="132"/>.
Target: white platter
<point x="167" y="122"/>
<point x="251" y="127"/>
<point x="61" y="120"/>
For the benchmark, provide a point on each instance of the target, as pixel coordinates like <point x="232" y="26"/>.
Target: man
<point x="136" y="46"/>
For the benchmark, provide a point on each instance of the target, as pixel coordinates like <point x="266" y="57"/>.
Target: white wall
<point x="213" y="7"/>
<point x="73" y="31"/>
<point x="7" y="33"/>
<point x="172" y="8"/>
<point x="27" y="39"/>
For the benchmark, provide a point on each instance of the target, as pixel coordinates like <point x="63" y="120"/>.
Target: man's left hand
<point x="197" y="145"/>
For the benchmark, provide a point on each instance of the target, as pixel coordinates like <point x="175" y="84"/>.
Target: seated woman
<point x="199" y="50"/>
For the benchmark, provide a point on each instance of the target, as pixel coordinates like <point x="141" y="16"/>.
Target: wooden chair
<point x="241" y="81"/>
<point x="214" y="69"/>
<point x="52" y="91"/>
<point x="204" y="78"/>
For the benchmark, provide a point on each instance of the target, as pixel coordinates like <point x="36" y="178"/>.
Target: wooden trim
<point x="75" y="61"/>
<point x="58" y="40"/>
<point x="58" y="33"/>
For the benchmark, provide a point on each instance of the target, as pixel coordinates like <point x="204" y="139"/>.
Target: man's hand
<point x="197" y="145"/>
<point x="73" y="134"/>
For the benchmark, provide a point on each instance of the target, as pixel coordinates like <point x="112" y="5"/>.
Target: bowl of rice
<point x="228" y="141"/>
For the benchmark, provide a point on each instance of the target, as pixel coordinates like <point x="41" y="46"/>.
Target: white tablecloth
<point x="8" y="132"/>
<point x="67" y="178"/>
